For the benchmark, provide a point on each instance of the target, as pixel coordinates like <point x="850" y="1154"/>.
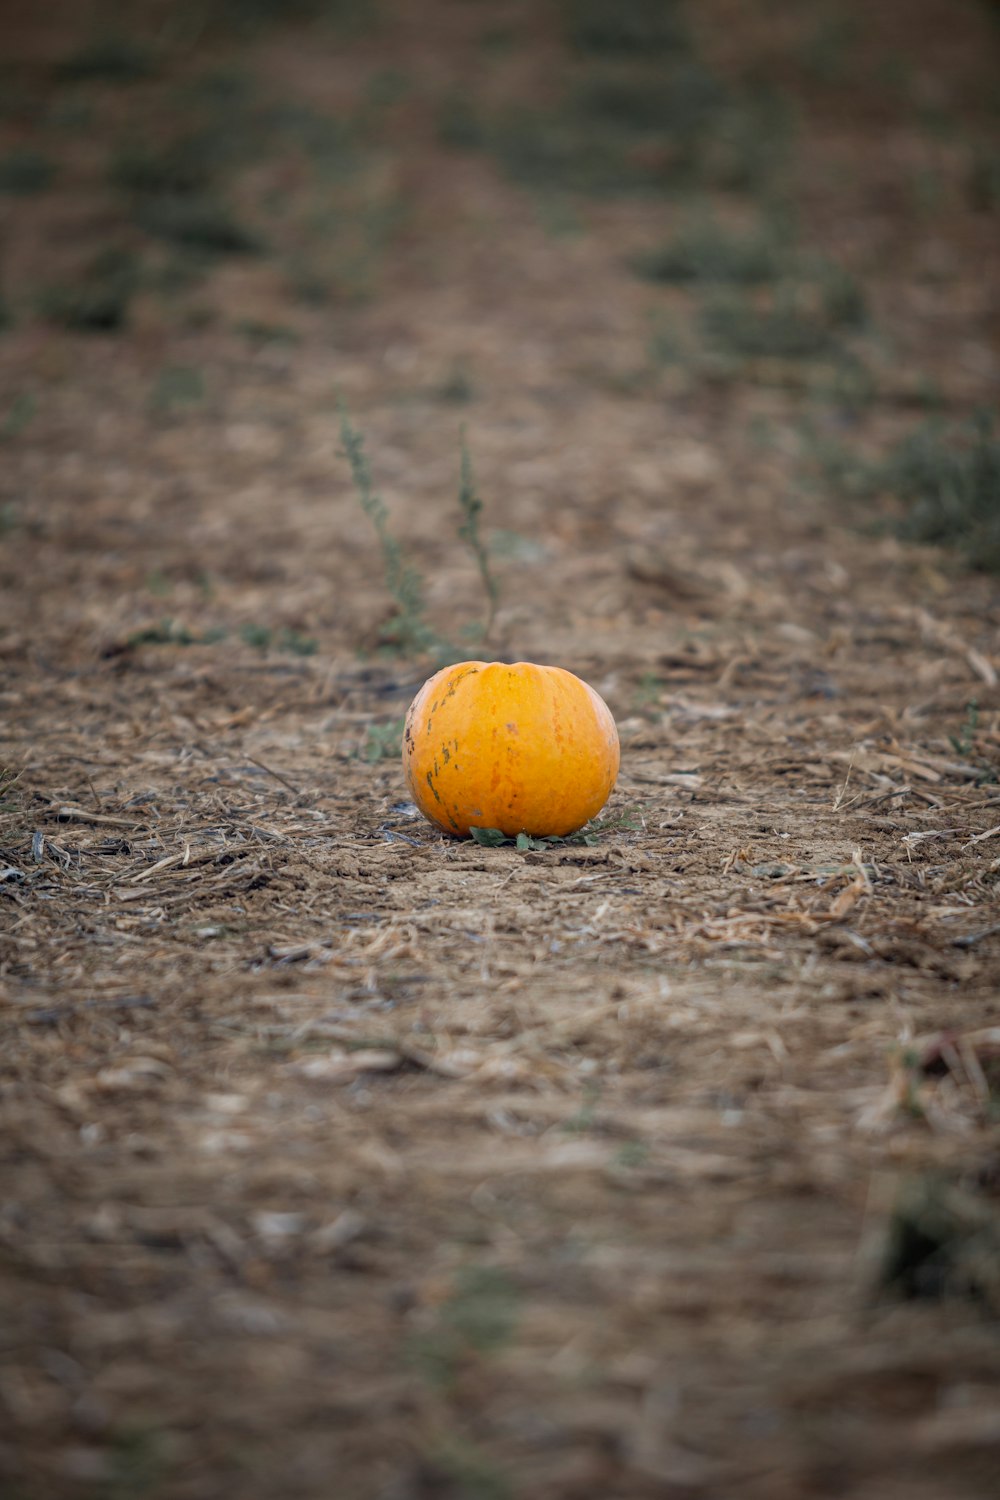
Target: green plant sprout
<point x="472" y="509"/>
<point x="493" y="838"/>
<point x="962" y="743"/>
<point x="411" y="630"/>
<point x="8" y="781"/>
<point x="383" y="741"/>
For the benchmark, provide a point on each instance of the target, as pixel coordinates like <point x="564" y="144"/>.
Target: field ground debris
<point x="338" y="1158"/>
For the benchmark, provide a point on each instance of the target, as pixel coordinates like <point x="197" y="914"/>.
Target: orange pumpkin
<point x="517" y="747"/>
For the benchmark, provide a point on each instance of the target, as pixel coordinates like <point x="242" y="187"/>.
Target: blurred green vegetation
<point x="197" y="152"/>
<point x="204" y="160"/>
<point x="97" y="300"/>
<point x="656" y="126"/>
<point x="948" y="479"/>
<point x="25" y="171"/>
<point x="110" y="56"/>
<point x="705" y="252"/>
<point x="627" y="28"/>
<point x="939" y="484"/>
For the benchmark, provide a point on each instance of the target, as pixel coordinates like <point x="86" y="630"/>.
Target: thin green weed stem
<point x="412" y="633"/>
<point x="469" y="531"/>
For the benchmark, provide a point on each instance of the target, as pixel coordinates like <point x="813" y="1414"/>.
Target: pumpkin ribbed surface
<point x="523" y="748"/>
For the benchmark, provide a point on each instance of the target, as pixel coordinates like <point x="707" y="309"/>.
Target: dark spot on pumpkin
<point x="453" y="684"/>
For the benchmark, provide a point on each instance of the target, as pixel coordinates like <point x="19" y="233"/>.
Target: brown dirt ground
<point x="341" y="1159"/>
